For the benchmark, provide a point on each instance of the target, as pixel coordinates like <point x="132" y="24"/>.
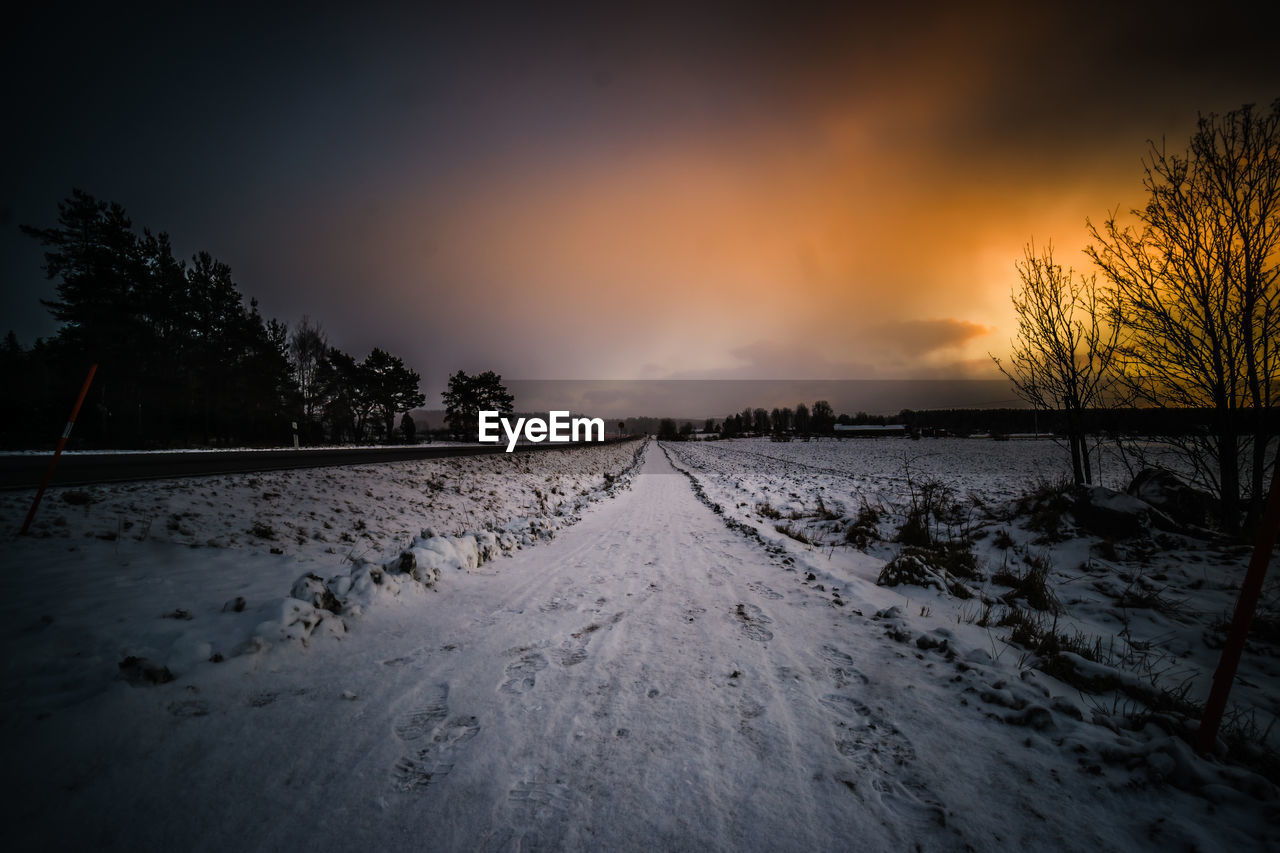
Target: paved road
<point x="25" y="472"/>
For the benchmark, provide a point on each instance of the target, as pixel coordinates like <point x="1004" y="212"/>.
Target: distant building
<point x="870" y="430"/>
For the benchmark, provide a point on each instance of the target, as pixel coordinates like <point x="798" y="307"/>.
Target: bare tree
<point x="308" y="347"/>
<point x="1061" y="359"/>
<point x="802" y="420"/>
<point x="1196" y="283"/>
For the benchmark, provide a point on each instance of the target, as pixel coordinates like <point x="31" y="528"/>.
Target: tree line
<point x="182" y="359"/>
<point x="802" y="421"/>
<point x="1185" y="315"/>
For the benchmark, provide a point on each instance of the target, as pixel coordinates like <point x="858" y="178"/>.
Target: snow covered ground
<point x="650" y="674"/>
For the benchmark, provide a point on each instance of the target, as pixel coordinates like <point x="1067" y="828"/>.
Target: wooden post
<point x="1250" y="590"/>
<point x="62" y="442"/>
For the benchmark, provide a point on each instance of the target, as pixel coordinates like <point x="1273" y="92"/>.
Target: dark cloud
<point x="924" y="337"/>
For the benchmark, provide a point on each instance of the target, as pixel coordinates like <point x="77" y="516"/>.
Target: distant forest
<point x="182" y="360"/>
<point x="1132" y="422"/>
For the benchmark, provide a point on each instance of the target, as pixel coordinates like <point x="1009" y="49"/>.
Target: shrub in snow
<point x="262" y="530"/>
<point x="311" y="588"/>
<point x="141" y="672"/>
<point x="1032" y="586"/>
<point x="1046" y="508"/>
<point x="421" y="564"/>
<point x="934" y="513"/>
<point x="292" y="619"/>
<point x="864" y="529"/>
<point x="920" y="567"/>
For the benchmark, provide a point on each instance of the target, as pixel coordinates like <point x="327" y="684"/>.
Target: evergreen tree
<point x="467" y="396"/>
<point x="801" y="420"/>
<point x="341" y="391"/>
<point x="390" y="388"/>
<point x="179" y="356"/>
<point x="822" y="418"/>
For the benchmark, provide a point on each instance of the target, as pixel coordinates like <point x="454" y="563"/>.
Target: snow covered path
<point x="650" y="680"/>
<point x="652" y="690"/>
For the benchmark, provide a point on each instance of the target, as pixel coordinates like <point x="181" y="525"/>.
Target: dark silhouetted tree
<point x="307" y="349"/>
<point x="1063" y="355"/>
<point x="760" y="421"/>
<point x="390" y="387"/>
<point x="1198" y="292"/>
<point x="342" y="394"/>
<point x="801" y="419"/>
<point x="408" y="429"/>
<point x="179" y="355"/>
<point x="467" y="396"/>
<point x="822" y="418"/>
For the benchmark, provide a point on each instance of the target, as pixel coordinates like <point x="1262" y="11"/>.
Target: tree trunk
<point x="1073" y="439"/>
<point x="1229" y="479"/>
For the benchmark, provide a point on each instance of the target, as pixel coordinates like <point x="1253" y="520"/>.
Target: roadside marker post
<point x="1250" y="590"/>
<point x="62" y="443"/>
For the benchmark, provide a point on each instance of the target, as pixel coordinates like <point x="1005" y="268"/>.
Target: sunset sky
<point x="718" y="191"/>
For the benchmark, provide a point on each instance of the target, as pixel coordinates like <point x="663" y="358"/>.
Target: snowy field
<point x="1133" y="606"/>
<point x="581" y="650"/>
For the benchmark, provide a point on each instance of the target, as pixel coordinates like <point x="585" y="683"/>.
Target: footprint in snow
<point x="749" y="712"/>
<point x="422" y="720"/>
<point x="417" y="770"/>
<point x="539" y="812"/>
<point x="761" y="589"/>
<point x="845" y="706"/>
<point x="540" y="799"/>
<point x="434" y="736"/>
<point x="840" y="667"/>
<point x="753" y="620"/>
<point x="692" y="612"/>
<point x="262" y="699"/>
<point x="910" y="811"/>
<point x="570" y="654"/>
<point x="521" y="674"/>
<point x="875" y="743"/>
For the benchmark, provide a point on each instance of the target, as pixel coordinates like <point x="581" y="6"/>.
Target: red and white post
<point x="62" y="443"/>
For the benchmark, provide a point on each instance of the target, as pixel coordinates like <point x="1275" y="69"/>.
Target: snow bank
<point x="172" y="575"/>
